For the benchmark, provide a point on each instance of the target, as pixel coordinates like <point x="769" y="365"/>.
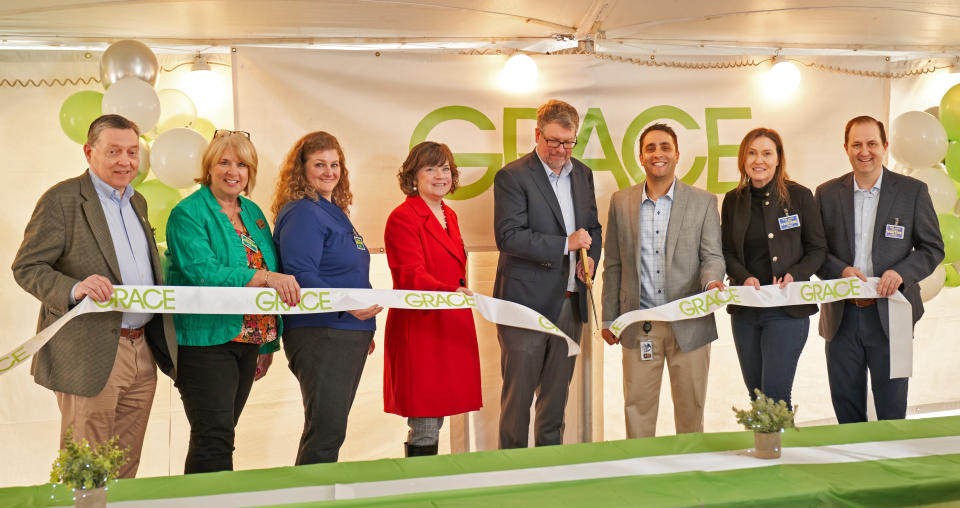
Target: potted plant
<point x="766" y="419"/>
<point x="87" y="469"/>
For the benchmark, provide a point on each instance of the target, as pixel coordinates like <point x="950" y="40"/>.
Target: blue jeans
<point x="769" y="342"/>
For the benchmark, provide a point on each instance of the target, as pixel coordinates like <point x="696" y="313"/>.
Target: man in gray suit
<point x="545" y="211"/>
<point x="86" y="234"/>
<point x="877" y="223"/>
<point x="662" y="244"/>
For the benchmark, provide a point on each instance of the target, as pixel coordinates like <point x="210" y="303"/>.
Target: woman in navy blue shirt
<point x="318" y="245"/>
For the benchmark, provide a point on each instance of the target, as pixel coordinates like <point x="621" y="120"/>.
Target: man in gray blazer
<point x="86" y="234"/>
<point x="545" y="211"/>
<point x="662" y="244"/>
<point x="877" y="223"/>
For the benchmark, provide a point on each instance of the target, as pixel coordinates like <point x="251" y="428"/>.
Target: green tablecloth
<point x="927" y="480"/>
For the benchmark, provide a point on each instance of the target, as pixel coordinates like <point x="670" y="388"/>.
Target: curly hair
<point x="426" y="154"/>
<point x="292" y="181"/>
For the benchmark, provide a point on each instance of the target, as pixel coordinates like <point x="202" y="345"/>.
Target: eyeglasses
<point x="556" y="143"/>
<point x="226" y="132"/>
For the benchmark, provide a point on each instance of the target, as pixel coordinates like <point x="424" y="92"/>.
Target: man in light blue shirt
<point x="662" y="244"/>
<point x="86" y="235"/>
<point x="877" y="224"/>
<point x="545" y="211"/>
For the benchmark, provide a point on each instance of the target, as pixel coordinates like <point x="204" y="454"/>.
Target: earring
<point x="415" y="187"/>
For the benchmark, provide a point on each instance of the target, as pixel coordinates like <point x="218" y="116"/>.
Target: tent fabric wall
<point x="373" y="104"/>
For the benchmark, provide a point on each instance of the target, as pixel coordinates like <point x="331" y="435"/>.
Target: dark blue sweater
<point x="315" y="243"/>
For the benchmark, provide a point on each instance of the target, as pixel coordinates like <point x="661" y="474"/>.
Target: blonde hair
<point x="242" y="148"/>
<point x="292" y="181"/>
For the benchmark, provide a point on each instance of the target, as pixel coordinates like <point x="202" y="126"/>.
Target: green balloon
<point x="953" y="277"/>
<point x="950" y="113"/>
<point x="205" y="127"/>
<point x="950" y="229"/>
<point x="137" y="180"/>
<point x="953" y="161"/>
<point x="78" y="112"/>
<point x="160" y="202"/>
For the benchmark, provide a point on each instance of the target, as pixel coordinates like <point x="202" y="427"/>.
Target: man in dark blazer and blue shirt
<point x="545" y="211"/>
<point x="877" y="223"/>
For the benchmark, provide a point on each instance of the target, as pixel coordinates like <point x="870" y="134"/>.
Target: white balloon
<point x="135" y="100"/>
<point x="931" y="286"/>
<point x="173" y="103"/>
<point x="144" y="157"/>
<point x="903" y="169"/>
<point x="175" y="156"/>
<point x="918" y="139"/>
<point x="942" y="190"/>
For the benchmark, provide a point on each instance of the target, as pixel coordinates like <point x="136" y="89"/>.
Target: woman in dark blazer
<point x="431" y="360"/>
<point x="772" y="234"/>
<point x="319" y="246"/>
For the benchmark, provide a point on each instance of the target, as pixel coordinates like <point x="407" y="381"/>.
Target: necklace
<point x="442" y="217"/>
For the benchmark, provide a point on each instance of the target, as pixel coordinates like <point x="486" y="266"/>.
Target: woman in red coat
<point x="431" y="361"/>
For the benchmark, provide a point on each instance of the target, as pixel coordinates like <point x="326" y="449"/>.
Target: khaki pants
<point x="641" y="382"/>
<point x="120" y="409"/>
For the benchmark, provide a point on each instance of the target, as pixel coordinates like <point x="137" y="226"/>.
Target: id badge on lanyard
<point x="358" y="240"/>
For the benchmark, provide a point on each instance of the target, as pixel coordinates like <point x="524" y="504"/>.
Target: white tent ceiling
<point x="923" y="28"/>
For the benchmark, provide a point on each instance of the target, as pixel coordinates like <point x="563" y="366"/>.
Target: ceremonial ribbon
<point x="234" y="300"/>
<point x="899" y="311"/>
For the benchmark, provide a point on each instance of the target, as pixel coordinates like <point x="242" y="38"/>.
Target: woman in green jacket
<point x="216" y="237"/>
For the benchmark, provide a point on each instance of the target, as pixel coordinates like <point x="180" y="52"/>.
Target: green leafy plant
<point x="83" y="467"/>
<point x="765" y="415"/>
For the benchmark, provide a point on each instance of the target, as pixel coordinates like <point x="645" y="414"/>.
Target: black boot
<point x="419" y="451"/>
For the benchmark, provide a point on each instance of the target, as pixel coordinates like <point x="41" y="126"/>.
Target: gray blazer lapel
<point x="633" y="212"/>
<point x="678" y="212"/>
<point x="93" y="211"/>
<point x="543" y="183"/>
<point x="888" y="195"/>
<point x="846" y="212"/>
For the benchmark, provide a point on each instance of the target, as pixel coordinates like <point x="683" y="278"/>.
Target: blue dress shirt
<point x="561" y="185"/>
<point x="654" y="219"/>
<point x="865" y="203"/>
<point x="129" y="242"/>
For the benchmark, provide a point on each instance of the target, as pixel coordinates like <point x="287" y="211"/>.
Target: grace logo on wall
<point x="623" y="165"/>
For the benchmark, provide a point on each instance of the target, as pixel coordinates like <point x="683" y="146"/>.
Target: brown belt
<point x="131" y="333"/>
<point x="570" y="293"/>
<point x="864" y="302"/>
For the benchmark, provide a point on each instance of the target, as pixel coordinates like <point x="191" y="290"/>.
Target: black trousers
<point x="536" y="363"/>
<point x="860" y="344"/>
<point x="214" y="382"/>
<point x="328" y="363"/>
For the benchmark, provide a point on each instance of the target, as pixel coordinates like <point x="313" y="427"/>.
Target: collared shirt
<point x="561" y="185"/>
<point x="129" y="242"/>
<point x="864" y="217"/>
<point x="654" y="219"/>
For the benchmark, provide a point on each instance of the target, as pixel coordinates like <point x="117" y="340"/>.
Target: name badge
<point x="358" y="240"/>
<point x="789" y="222"/>
<point x="249" y="243"/>
<point x="894" y="231"/>
<point x="646" y="350"/>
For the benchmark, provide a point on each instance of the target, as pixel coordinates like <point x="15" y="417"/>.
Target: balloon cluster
<point x="926" y="145"/>
<point x="173" y="136"/>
